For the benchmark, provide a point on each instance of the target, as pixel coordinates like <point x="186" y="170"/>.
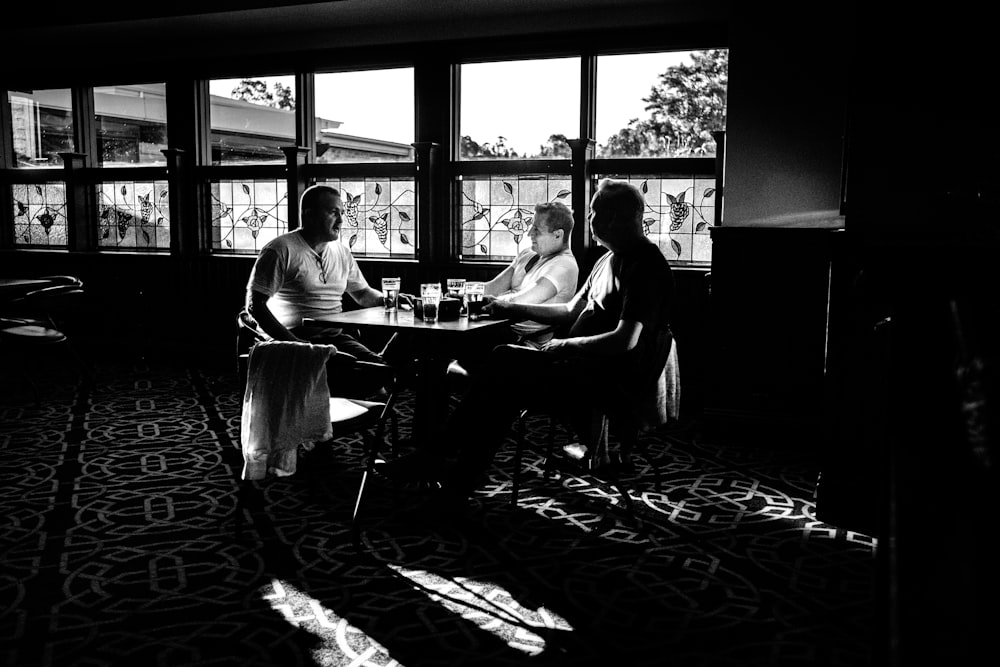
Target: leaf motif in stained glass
<point x="107" y="233"/>
<point x="378" y="189"/>
<point x="38" y="190"/>
<point x="21" y="209"/>
<point x="403" y="215"/>
<point x="159" y="220"/>
<point x="246" y="189"/>
<point x="482" y="247"/>
<point x="709" y="192"/>
<point x="675" y="244"/>
<point x="229" y="244"/>
<point x="350" y="244"/>
<point x="517" y="238"/>
<point x="645" y="187"/>
<point x="508" y="187"/>
<point x="124" y="191"/>
<point x="403" y="239"/>
<point x="646" y="224"/>
<point x="701" y="226"/>
<point x="562" y="194"/>
<point x="163" y="193"/>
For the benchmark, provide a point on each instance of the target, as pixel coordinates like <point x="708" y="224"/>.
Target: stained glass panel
<point x="39" y="214"/>
<point x="497" y="211"/>
<point x="133" y="215"/>
<point x="678" y="215"/>
<point x="248" y="214"/>
<point x="379" y="217"/>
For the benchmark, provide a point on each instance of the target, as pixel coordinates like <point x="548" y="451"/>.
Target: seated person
<point x="304" y="273"/>
<point x="545" y="273"/>
<point x="619" y="336"/>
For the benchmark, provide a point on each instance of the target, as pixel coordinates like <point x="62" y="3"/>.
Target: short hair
<point x="621" y="198"/>
<point x="557" y="216"/>
<point x="313" y="193"/>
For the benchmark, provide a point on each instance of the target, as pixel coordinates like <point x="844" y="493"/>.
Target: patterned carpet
<point x="121" y="547"/>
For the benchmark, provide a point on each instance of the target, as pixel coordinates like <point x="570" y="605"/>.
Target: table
<point x="436" y="344"/>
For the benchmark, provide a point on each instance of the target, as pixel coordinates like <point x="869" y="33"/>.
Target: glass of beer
<point x="390" y="290"/>
<point x="474" y="298"/>
<point x="430" y="293"/>
<point x="456" y="290"/>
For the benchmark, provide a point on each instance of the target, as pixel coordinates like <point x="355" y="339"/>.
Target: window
<point x="246" y="214"/>
<point x="365" y="116"/>
<point x="39" y="214"/>
<point x="524" y="109"/>
<point x="252" y="118"/>
<point x="41" y="126"/>
<point x="133" y="215"/>
<point x="131" y="124"/>
<point x="496" y="212"/>
<point x="661" y="105"/>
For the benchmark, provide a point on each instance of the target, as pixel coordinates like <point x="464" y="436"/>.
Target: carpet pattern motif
<point x="121" y="547"/>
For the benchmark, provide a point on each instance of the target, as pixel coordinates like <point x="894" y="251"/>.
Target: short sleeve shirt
<point x="636" y="286"/>
<point x="560" y="269"/>
<point x="292" y="274"/>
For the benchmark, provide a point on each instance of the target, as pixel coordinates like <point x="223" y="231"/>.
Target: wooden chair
<point x="619" y="415"/>
<point x="348" y="416"/>
<point x="35" y="324"/>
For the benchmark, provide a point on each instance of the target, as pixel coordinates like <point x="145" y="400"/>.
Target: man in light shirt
<point x="305" y="273"/>
<point x="544" y="273"/>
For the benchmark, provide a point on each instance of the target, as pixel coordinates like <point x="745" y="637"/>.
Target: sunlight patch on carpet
<point x="491" y="608"/>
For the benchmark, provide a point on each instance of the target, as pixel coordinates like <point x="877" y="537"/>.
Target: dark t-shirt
<point x="636" y="286"/>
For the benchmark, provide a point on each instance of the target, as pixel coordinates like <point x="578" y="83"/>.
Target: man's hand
<point x="406" y="300"/>
<point x="557" y="346"/>
<point x="494" y="306"/>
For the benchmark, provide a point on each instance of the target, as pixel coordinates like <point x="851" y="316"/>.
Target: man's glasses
<point x="322" y="269"/>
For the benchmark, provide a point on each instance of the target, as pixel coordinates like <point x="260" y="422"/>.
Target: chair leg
<point x="518" y="450"/>
<point x="550" y="445"/>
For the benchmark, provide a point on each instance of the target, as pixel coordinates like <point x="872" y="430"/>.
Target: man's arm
<point x="541" y="292"/>
<point x="501" y="282"/>
<point x="619" y="341"/>
<point x="268" y="323"/>
<point x="546" y="313"/>
<point x="368" y="297"/>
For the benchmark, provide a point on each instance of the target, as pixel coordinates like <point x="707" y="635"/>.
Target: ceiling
<point x="136" y="32"/>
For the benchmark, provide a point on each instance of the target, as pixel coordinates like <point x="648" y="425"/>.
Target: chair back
<point x="248" y="334"/>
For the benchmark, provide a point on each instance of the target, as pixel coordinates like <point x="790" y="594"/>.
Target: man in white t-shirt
<point x="545" y="273"/>
<point x="304" y="273"/>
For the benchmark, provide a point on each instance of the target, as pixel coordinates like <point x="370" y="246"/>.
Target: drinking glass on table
<point x="474" y="298"/>
<point x="430" y="293"/>
<point x="456" y="290"/>
<point x="390" y="290"/>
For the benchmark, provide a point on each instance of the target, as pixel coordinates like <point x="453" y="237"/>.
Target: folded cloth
<point x="286" y="403"/>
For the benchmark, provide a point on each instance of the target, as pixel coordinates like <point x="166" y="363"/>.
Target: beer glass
<point x="474" y="298"/>
<point x="431" y="295"/>
<point x="390" y="288"/>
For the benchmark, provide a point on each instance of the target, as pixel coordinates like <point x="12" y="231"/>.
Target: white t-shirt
<point x="290" y="272"/>
<point x="560" y="269"/>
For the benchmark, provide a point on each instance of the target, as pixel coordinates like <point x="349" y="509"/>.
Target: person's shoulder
<point x="281" y="241"/>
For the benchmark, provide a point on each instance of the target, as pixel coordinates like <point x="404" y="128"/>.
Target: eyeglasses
<point x="322" y="269"/>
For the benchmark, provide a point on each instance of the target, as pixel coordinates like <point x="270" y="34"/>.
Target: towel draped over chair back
<point x="286" y="403"/>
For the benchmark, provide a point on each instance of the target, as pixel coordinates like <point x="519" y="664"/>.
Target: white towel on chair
<point x="286" y="403"/>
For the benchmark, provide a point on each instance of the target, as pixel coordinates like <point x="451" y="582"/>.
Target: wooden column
<point x="184" y="228"/>
<point x="431" y="240"/>
<point x="295" y="158"/>
<point x="582" y="152"/>
<point x="80" y="204"/>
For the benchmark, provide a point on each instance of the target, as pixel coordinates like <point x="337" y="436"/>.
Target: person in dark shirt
<point x="618" y="337"/>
